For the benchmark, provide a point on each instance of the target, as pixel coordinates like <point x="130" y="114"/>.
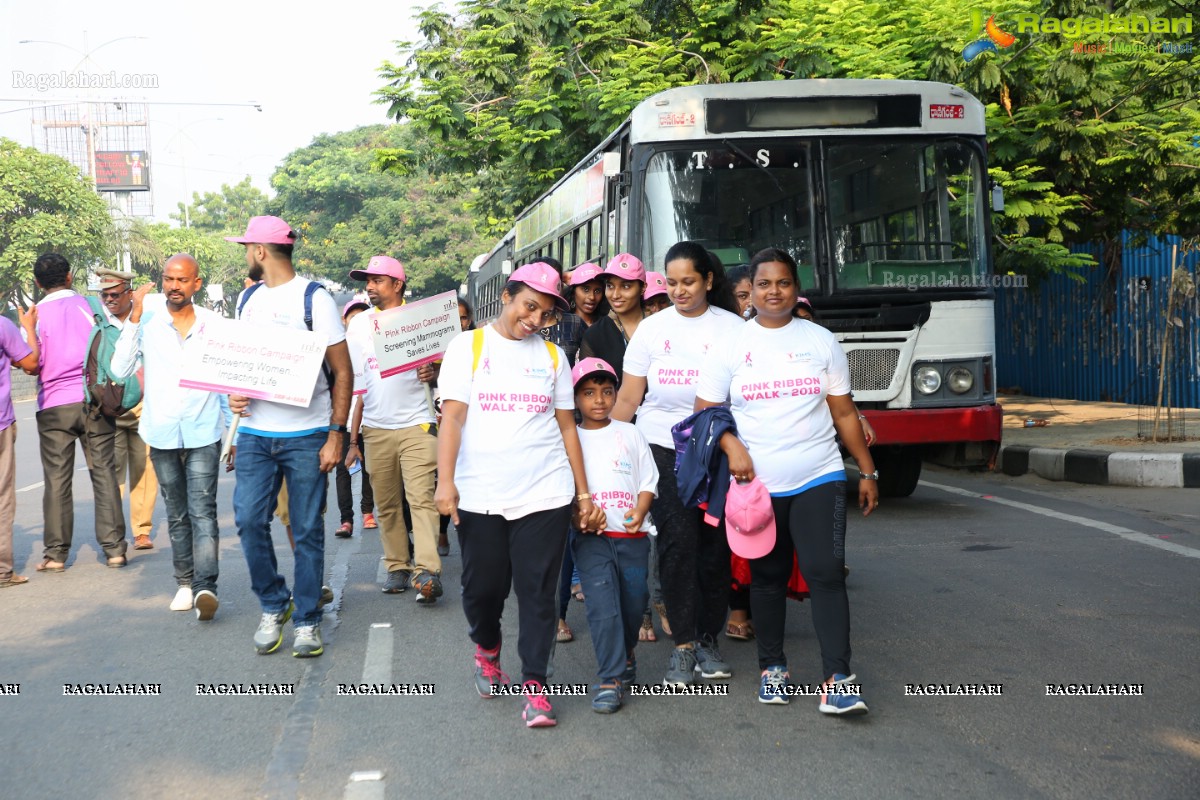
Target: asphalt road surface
<point x="976" y="579"/>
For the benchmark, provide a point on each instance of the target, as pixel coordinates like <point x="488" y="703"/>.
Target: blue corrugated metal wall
<point x="1057" y="340"/>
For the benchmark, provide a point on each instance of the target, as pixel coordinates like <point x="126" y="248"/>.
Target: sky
<point x="311" y="66"/>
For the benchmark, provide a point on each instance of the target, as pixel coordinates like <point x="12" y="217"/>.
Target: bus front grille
<point x="872" y="370"/>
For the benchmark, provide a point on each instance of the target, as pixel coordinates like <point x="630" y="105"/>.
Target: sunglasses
<point x="113" y="295"/>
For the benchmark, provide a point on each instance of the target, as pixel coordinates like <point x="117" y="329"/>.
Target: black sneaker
<point x="429" y="588"/>
<point x="397" y="582"/>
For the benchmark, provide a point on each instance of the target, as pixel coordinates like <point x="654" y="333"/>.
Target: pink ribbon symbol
<point x="666" y="345"/>
<point x="376" y="326"/>
<point x="749" y="363"/>
<point x="487" y="365"/>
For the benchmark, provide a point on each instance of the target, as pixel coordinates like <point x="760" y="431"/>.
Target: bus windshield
<point x="903" y="215"/>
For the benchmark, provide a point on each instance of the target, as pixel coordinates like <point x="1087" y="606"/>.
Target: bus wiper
<point x="739" y="151"/>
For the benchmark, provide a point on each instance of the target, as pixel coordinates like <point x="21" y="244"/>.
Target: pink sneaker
<point x="538" y="713"/>
<point x="487" y="671"/>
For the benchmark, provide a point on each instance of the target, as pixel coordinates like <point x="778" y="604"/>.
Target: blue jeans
<point x="262" y="462"/>
<point x="613" y="574"/>
<point x="187" y="478"/>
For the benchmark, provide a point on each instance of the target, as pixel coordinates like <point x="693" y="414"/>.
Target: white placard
<point x="415" y="333"/>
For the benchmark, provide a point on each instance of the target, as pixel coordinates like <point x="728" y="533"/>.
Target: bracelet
<point x="338" y="429"/>
<point x="584" y="496"/>
<point x="860" y="416"/>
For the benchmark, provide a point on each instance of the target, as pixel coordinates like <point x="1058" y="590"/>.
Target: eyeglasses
<point x="113" y="295"/>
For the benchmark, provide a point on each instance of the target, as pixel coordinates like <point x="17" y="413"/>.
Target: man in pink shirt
<point x="64" y="325"/>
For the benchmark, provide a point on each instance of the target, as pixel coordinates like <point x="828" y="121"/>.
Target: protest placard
<point x="266" y="362"/>
<point x="415" y="333"/>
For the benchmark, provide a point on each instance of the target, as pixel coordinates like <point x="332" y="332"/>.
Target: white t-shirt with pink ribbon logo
<point x="512" y="460"/>
<point x="668" y="350"/>
<point x="777" y="380"/>
<point x="619" y="467"/>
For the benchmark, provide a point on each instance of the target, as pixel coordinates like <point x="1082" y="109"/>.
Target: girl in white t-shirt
<point x="612" y="565"/>
<point x="509" y="465"/>
<point x="662" y="364"/>
<point x="788" y="385"/>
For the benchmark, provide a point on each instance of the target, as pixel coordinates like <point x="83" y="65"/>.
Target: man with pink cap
<point x="400" y="438"/>
<point x="278" y="442"/>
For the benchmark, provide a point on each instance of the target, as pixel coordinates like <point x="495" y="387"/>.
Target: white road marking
<point x="1124" y="533"/>
<point x="365" y="785"/>
<point x="377" y="665"/>
<point x="31" y="487"/>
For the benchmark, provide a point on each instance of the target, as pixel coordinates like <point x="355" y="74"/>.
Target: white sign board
<point x="266" y="362"/>
<point x="415" y="333"/>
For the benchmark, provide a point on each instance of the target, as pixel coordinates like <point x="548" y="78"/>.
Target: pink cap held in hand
<point x="266" y="230"/>
<point x="749" y="519"/>
<point x="541" y="277"/>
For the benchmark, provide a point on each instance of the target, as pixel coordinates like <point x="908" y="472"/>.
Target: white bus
<point x="879" y="190"/>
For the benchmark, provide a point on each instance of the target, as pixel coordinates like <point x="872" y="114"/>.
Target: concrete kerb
<point x="1102" y="467"/>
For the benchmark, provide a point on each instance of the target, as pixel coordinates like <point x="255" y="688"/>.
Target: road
<point x="976" y="579"/>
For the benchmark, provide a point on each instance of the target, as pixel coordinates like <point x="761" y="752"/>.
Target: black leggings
<point x="693" y="560"/>
<point x="813" y="525"/>
<point x="345" y="492"/>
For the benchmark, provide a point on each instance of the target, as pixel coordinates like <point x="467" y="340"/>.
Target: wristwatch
<point x="869" y="476"/>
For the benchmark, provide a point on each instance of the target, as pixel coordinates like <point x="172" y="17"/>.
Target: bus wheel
<point x="899" y="469"/>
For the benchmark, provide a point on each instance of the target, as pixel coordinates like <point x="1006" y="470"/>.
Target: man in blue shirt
<point x="183" y="428"/>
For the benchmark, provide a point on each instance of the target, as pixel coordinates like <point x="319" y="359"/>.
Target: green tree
<point x="224" y="212"/>
<point x="347" y="209"/>
<point x="516" y="92"/>
<point x="45" y="206"/>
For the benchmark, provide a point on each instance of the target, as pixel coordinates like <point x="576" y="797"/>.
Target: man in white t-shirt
<point x="401" y="442"/>
<point x="277" y="442"/>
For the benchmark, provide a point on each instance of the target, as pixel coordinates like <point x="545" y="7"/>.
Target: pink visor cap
<point x="541" y="277"/>
<point x="656" y="284"/>
<point x="626" y="267"/>
<point x="380" y="265"/>
<point x="266" y="230"/>
<point x="585" y="273"/>
<point x="359" y="300"/>
<point x="749" y="519"/>
<point x="590" y="366"/>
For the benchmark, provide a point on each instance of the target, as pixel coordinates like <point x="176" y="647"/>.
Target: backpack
<point x="112" y="396"/>
<point x="309" y="291"/>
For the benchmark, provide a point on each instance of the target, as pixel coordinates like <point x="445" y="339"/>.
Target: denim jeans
<point x="612" y="572"/>
<point x="261" y="462"/>
<point x="187" y="478"/>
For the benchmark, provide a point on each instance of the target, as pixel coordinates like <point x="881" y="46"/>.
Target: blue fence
<point x="1058" y="340"/>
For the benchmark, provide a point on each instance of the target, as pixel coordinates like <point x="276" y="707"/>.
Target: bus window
<point x="906" y="215"/>
<point x="734" y="199"/>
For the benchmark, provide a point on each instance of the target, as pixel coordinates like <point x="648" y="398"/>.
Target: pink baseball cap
<point x="541" y="277"/>
<point x="749" y="519"/>
<point x="380" y="265"/>
<point x="357" y="300"/>
<point x="585" y="273"/>
<point x="590" y="366"/>
<point x="265" y="230"/>
<point x="803" y="301"/>
<point x="626" y="267"/>
<point x="656" y="284"/>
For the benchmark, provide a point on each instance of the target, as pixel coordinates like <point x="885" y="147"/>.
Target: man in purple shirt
<point x="64" y="325"/>
<point x="13" y="352"/>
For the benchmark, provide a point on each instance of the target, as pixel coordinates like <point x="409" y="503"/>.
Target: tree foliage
<point x="1085" y="144"/>
<point x="225" y="212"/>
<point x="347" y="208"/>
<point x="45" y="206"/>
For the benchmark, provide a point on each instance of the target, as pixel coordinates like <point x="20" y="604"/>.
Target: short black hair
<point x="51" y="271"/>
<point x="599" y="376"/>
<point x="280" y="250"/>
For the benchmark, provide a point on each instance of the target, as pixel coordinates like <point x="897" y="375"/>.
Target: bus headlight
<point x="960" y="380"/>
<point x="927" y="380"/>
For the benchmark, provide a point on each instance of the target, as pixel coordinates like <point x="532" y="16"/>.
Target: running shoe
<point x="537" y="713"/>
<point x="839" y="703"/>
<point x="488" y="672"/>
<point x="682" y="670"/>
<point x="269" y="635"/>
<point x="307" y="643"/>
<point x="397" y="581"/>
<point x="774" y="687"/>
<point x="429" y="588"/>
<point x="709" y="663"/>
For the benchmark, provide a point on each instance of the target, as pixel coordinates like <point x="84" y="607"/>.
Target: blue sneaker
<point x="681" y="672"/>
<point x="709" y="663"/>
<point x="840" y="703"/>
<point x="774" y="686"/>
<point x="606" y="697"/>
<point x="630" y="674"/>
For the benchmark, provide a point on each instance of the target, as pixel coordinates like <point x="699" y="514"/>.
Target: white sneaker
<point x="206" y="605"/>
<point x="183" y="599"/>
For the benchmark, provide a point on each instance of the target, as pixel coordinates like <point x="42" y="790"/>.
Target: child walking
<point x="612" y="564"/>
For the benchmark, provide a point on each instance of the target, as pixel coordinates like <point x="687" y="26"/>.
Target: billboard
<point x="122" y="171"/>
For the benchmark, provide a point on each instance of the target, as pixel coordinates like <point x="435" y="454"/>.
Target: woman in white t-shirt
<point x="662" y="365"/>
<point x="788" y="384"/>
<point x="509" y="465"/>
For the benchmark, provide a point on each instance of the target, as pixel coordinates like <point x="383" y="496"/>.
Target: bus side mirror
<point x="997" y="197"/>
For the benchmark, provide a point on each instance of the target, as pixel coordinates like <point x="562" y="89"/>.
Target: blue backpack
<point x="112" y="396"/>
